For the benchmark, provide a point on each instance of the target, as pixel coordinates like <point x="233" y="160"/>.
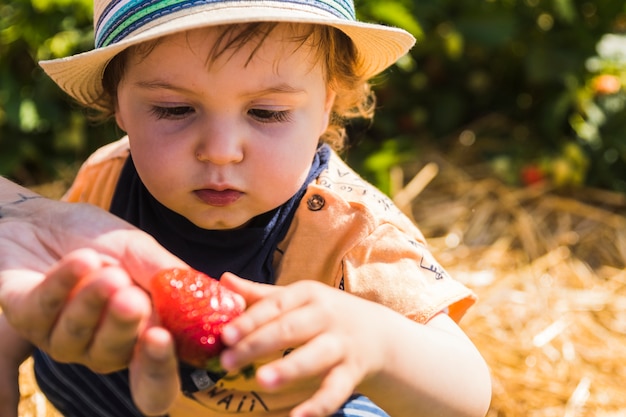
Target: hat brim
<point x="80" y="75"/>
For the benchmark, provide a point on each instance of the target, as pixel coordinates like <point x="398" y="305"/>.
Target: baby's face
<point x="223" y="143"/>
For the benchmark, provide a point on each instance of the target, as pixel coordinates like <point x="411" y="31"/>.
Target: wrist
<point x="16" y="201"/>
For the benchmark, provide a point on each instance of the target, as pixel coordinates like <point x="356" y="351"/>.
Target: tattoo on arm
<point x="22" y="199"/>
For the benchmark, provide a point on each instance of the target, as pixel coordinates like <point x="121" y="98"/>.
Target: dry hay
<point x="549" y="269"/>
<point x="32" y="401"/>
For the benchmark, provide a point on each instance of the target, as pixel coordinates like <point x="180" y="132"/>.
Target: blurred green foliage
<point x="41" y="131"/>
<point x="511" y="84"/>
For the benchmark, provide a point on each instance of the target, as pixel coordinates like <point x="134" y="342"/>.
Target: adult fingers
<point x="80" y="318"/>
<point x="32" y="303"/>
<point x="125" y="318"/>
<point x="153" y="372"/>
<point x="141" y="255"/>
<point x="13" y="351"/>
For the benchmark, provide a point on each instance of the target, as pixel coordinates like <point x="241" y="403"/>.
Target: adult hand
<point x="40" y="269"/>
<point x="13" y="351"/>
<point x="68" y="284"/>
<point x="94" y="314"/>
<point x="35" y="232"/>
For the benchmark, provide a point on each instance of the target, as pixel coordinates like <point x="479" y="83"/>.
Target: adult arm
<point x="13" y="350"/>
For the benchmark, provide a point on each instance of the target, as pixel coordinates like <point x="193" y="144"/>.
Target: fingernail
<point x="227" y="360"/>
<point x="158" y="352"/>
<point x="266" y="376"/>
<point x="160" y="346"/>
<point x="230" y="335"/>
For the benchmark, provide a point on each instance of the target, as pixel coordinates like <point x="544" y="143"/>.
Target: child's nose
<point x="220" y="144"/>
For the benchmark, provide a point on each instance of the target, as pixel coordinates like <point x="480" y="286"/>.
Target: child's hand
<point x="337" y="337"/>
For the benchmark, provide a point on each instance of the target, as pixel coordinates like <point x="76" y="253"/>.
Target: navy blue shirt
<point x="75" y="390"/>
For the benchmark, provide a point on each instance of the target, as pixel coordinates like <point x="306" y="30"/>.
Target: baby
<point x="234" y="113"/>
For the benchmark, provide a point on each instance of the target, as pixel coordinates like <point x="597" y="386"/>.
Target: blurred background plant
<point x="43" y="135"/>
<point x="528" y="90"/>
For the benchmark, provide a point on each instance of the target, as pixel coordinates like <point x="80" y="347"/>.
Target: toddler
<point x="234" y="112"/>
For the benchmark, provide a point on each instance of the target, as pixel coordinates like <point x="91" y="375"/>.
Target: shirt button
<point x="315" y="202"/>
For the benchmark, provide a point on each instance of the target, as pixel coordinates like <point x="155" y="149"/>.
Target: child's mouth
<point x="218" y="198"/>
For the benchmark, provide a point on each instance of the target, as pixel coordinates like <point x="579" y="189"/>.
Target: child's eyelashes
<point x="270" y="116"/>
<point x="181" y="112"/>
<point x="175" y="112"/>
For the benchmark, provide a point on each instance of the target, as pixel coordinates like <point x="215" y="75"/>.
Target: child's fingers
<point x="249" y="290"/>
<point x="272" y="303"/>
<point x="269" y="326"/>
<point x="303" y="363"/>
<point x="286" y="317"/>
<point x="336" y="388"/>
<point x="153" y="372"/>
<point x="256" y="313"/>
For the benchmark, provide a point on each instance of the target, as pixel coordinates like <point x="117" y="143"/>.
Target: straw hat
<point x="119" y="24"/>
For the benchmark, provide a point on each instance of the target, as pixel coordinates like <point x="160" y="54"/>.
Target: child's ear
<point x="330" y="99"/>
<point x="328" y="106"/>
<point x="119" y="120"/>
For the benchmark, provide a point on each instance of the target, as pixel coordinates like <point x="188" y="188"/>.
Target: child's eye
<point x="177" y="112"/>
<point x="269" y="116"/>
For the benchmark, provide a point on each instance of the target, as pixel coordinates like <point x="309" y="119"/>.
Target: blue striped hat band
<point x="120" y="24"/>
<point x="119" y="18"/>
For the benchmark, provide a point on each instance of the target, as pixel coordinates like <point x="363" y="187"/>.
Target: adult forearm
<point x="13" y="348"/>
<point x="59" y="228"/>
<point x="9" y="188"/>
<point x="13" y="195"/>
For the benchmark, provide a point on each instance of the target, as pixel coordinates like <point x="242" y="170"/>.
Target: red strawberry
<point x="194" y="307"/>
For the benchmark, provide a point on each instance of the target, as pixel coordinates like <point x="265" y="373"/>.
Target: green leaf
<point x="396" y="14"/>
<point x="29" y="117"/>
<point x="490" y="30"/>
